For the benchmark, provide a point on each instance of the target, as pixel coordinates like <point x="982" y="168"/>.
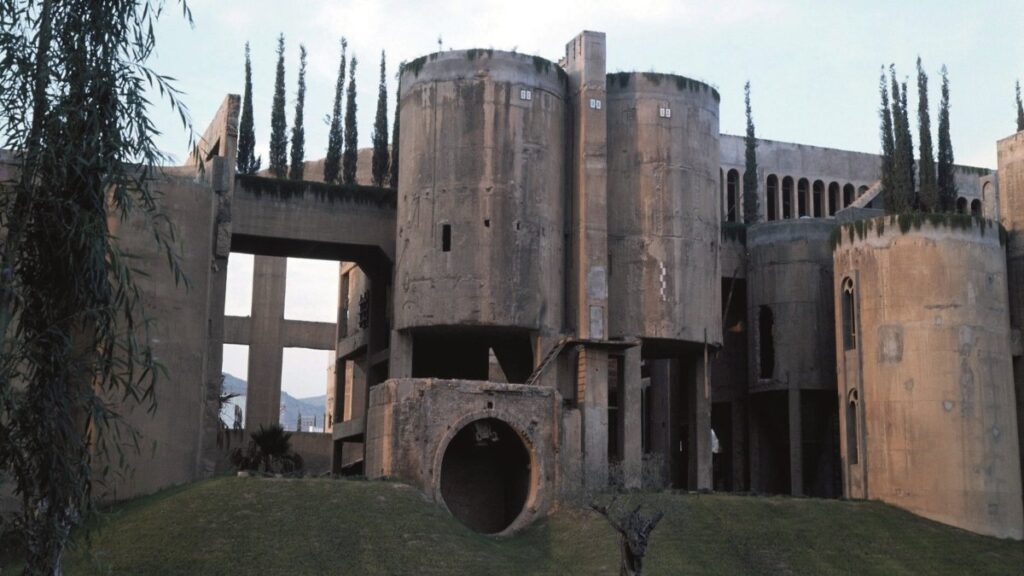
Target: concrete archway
<point x="486" y="478"/>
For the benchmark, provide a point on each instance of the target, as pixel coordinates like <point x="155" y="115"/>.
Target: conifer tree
<point x="336" y="137"/>
<point x="946" y="170"/>
<point x="1020" y="110"/>
<point x="903" y="153"/>
<point x="380" y="129"/>
<point x="393" y="168"/>
<point x="892" y="200"/>
<point x="247" y="162"/>
<point x="351" y="156"/>
<point x="298" y="131"/>
<point x="751" y="211"/>
<point x="929" y="191"/>
<point x="278" y="123"/>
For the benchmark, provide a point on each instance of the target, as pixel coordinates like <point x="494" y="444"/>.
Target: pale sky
<point x="813" y="66"/>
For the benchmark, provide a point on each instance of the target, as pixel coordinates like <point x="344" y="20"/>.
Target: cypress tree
<point x="888" y="147"/>
<point x="903" y="152"/>
<point x="247" y="162"/>
<point x="335" y="138"/>
<point x="380" y="129"/>
<point x="393" y="168"/>
<point x="946" y="170"/>
<point x="278" y="123"/>
<point x="929" y="191"/>
<point x="1020" y="110"/>
<point x="351" y="155"/>
<point x="298" y="131"/>
<point x="751" y="212"/>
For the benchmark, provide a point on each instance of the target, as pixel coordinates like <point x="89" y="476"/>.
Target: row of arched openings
<point x="962" y="206"/>
<point x="789" y="198"/>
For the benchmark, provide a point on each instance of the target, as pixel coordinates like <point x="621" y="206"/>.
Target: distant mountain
<point x="314" y="406"/>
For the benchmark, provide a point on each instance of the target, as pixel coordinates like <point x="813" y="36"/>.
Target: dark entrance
<point x="485" y="475"/>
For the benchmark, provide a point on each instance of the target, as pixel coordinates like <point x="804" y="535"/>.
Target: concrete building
<point x="561" y="298"/>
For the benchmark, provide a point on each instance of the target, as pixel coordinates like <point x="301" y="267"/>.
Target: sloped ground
<point x="321" y="526"/>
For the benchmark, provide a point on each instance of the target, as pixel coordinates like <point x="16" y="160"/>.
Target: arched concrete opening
<point x="486" y="478"/>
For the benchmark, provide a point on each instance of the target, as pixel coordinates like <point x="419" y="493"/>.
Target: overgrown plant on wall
<point x="929" y="191"/>
<point x="298" y="130"/>
<point x="380" y="128"/>
<point x="74" y="111"/>
<point x="278" y="123"/>
<point x="351" y="154"/>
<point x="946" y="172"/>
<point x="751" y="210"/>
<point x="335" y="135"/>
<point x="247" y="162"/>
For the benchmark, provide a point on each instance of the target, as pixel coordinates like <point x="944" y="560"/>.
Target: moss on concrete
<point x="288" y="189"/>
<point x="859" y="229"/>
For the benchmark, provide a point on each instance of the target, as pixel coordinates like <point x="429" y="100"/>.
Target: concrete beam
<point x="305" y="334"/>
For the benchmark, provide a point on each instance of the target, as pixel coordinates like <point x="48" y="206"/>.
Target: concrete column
<point x="400" y="355"/>
<point x="779" y="213"/>
<point x="700" y="439"/>
<point x="263" y="398"/>
<point x="593" y="384"/>
<point x="632" y="412"/>
<point x="585" y="66"/>
<point x="739" y="447"/>
<point x="796" y="468"/>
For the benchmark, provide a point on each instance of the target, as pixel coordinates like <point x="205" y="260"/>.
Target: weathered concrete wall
<point x="663" y="212"/>
<point x="929" y="374"/>
<point x="172" y="438"/>
<point x="482" y="156"/>
<point x="413" y="420"/>
<point x="1010" y="194"/>
<point x="789" y="270"/>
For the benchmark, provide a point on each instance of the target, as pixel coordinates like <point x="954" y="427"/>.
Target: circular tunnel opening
<point x="485" y="475"/>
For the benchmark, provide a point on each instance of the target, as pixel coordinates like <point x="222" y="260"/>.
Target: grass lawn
<point x="321" y="526"/>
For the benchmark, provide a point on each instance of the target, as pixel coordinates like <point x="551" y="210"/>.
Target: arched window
<point x="961" y="205"/>
<point x="852" y="404"/>
<point x="833" y="198"/>
<point x="848" y="193"/>
<point x="721" y="192"/>
<point x="819" y="200"/>
<point x="732" y="194"/>
<point x="772" y="193"/>
<point x="849" y="315"/>
<point x="766" y="327"/>
<point x="803" y="193"/>
<point x="975" y="207"/>
<point x="787" y="197"/>
<point x="986" y="189"/>
<point x="861" y="191"/>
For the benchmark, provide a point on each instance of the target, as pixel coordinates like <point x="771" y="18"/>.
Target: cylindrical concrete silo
<point x="792" y="380"/>
<point x="924" y="370"/>
<point x="663" y="208"/>
<point x="481" y="192"/>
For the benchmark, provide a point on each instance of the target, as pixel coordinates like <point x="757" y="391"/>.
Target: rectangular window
<point x="664" y="112"/>
<point x="526" y="94"/>
<point x="595" y="104"/>
<point x="446" y="237"/>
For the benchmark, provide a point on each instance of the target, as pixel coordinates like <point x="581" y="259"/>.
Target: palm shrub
<point x="269" y="451"/>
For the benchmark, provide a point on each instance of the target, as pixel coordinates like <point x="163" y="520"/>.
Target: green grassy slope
<point x="262" y="526"/>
